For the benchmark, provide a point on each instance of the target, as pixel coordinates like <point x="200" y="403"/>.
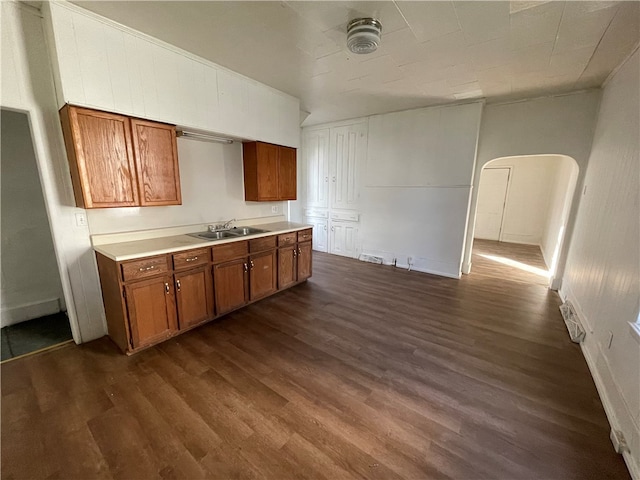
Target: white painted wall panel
<point x="134" y="70"/>
<point x="603" y="268"/>
<point x="423" y="147"/>
<point x="94" y="64"/>
<point x="119" y="75"/>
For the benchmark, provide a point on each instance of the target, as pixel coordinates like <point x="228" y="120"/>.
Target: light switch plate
<point x="81" y="219"/>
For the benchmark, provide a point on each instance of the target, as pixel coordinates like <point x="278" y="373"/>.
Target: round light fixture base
<point x="363" y="35"/>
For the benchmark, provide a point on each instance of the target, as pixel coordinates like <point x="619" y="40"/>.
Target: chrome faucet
<point x="221" y="226"/>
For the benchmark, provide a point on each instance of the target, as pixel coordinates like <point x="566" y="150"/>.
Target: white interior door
<point x="348" y="146"/>
<point x="320" y="233"/>
<point x="492" y="196"/>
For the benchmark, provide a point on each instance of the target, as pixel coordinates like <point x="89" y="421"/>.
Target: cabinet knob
<point x="299" y="252"/>
<point x="246" y="268"/>
<point x="252" y="265"/>
<point x="146" y="269"/>
<point x="333" y="179"/>
<point x="333" y="229"/>
<point x="295" y="254"/>
<point x="326" y="179"/>
<point x="325" y="228"/>
<point x="178" y="284"/>
<point x="166" y="288"/>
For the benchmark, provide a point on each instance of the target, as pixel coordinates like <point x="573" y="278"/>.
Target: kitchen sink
<point x="243" y="231"/>
<point x="214" y="235"/>
<point x="233" y="233"/>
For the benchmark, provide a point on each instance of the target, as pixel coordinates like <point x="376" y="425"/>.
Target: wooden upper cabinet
<point x="269" y="172"/>
<point x="101" y="159"/>
<point x="117" y="161"/>
<point x="156" y="156"/>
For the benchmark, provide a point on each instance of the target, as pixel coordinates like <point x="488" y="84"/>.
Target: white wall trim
<point x="429" y="270"/>
<point x="29" y="311"/>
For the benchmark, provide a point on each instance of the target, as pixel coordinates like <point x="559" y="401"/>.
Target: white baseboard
<point x="613" y="416"/>
<point x="429" y="270"/>
<point x="28" y="311"/>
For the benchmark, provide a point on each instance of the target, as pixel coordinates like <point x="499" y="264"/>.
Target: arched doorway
<point x="522" y="209"/>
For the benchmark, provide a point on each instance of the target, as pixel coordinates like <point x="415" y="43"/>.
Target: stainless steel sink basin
<point x="214" y="235"/>
<point x="243" y="231"/>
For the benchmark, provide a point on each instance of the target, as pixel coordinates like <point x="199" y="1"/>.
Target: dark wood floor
<point x="365" y="371"/>
<point x="518" y="262"/>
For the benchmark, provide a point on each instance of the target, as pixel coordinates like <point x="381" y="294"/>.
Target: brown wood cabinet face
<point x="101" y="158"/>
<point x="287" y="178"/>
<point x="151" y="309"/>
<point x="263" y="278"/>
<point x="304" y="261"/>
<point x="194" y="295"/>
<point x="230" y="284"/>
<point x="269" y="172"/>
<point x="156" y="156"/>
<point x="144" y="268"/>
<point x="287" y="270"/>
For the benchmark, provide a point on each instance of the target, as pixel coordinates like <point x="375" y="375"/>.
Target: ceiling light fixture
<point x="205" y="137"/>
<point x="363" y="35"/>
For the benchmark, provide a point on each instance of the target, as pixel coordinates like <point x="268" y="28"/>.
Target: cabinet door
<point x="287" y="270"/>
<point x="230" y="285"/>
<point x="304" y="261"/>
<point x="315" y="151"/>
<point x="151" y="309"/>
<point x="287" y="177"/>
<point x="156" y="158"/>
<point x="348" y="152"/>
<point x="194" y="294"/>
<point x="101" y="158"/>
<point x="343" y="239"/>
<point x="320" y="233"/>
<point x="267" y="171"/>
<point x="262" y="274"/>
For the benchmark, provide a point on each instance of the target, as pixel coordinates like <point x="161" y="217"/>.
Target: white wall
<point x="560" y="197"/>
<point x="30" y="279"/>
<point x="101" y="64"/>
<point x="418" y="177"/>
<point x="527" y="202"/>
<point x="212" y="185"/>
<point x="560" y="125"/>
<point x="27" y="85"/>
<point x="603" y="269"/>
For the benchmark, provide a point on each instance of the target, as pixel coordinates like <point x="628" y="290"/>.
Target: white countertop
<point x="176" y="243"/>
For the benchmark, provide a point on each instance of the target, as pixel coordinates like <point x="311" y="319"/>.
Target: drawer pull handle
<point x="252" y="265"/>
<point x="191" y="259"/>
<point x="299" y="252"/>
<point x="146" y="269"/>
<point x="178" y="284"/>
<point x="246" y="268"/>
<point x="295" y="254"/>
<point x="166" y="288"/>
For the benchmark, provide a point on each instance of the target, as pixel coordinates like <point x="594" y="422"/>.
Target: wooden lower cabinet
<point x="263" y="279"/>
<point x="150" y="299"/>
<point x="151" y="309"/>
<point x="304" y="261"/>
<point x="194" y="296"/>
<point x="287" y="270"/>
<point x="231" y="286"/>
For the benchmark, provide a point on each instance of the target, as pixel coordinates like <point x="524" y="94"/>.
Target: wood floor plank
<point x="364" y="371"/>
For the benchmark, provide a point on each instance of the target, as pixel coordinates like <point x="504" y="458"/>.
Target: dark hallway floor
<point x="36" y="334"/>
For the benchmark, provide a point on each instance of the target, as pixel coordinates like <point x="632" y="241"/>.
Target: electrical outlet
<point x="81" y="220"/>
<point x="610" y="339"/>
<point x="274" y="209"/>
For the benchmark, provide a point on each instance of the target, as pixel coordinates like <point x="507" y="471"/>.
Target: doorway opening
<point x="523" y="207"/>
<point x="32" y="300"/>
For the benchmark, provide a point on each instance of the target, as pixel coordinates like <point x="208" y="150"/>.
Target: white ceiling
<point x="431" y="52"/>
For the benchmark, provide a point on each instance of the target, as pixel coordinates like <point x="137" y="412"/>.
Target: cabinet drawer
<point x="144" y="268"/>
<point x="287" y="239"/>
<point x="191" y="258"/>
<point x="230" y="251"/>
<point x="262" y="244"/>
<point x="304" y="235"/>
